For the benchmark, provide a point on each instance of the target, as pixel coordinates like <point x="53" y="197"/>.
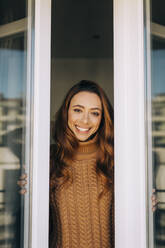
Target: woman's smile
<point x="84" y="114"/>
<point x="81" y="129"/>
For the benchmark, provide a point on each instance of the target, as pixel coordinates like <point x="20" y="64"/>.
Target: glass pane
<point x="12" y="10"/>
<point x="158" y="134"/>
<point x="156" y="93"/>
<point x="14" y="133"/>
<point x="12" y="136"/>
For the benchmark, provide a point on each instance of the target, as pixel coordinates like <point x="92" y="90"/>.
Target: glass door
<point x="25" y="31"/>
<point x="15" y="117"/>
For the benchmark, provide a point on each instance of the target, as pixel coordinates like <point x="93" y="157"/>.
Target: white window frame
<point x="130" y="146"/>
<point x="129" y="109"/>
<point x="129" y="92"/>
<point x="41" y="125"/>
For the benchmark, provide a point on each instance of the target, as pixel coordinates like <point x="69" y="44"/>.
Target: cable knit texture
<point x="82" y="219"/>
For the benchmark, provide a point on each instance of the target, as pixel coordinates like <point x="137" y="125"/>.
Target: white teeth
<point x="82" y="129"/>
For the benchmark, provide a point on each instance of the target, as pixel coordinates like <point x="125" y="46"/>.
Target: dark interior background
<point x="84" y="28"/>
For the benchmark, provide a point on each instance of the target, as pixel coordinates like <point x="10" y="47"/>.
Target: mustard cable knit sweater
<point x="80" y="218"/>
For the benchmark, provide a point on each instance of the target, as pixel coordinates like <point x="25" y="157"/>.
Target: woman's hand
<point x="154" y="200"/>
<point x="22" y="183"/>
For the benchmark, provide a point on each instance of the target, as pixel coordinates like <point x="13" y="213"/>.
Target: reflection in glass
<point x="158" y="136"/>
<point x="12" y="137"/>
<point x="11" y="11"/>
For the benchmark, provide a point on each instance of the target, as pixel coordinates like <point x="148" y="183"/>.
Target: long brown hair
<point x="66" y="143"/>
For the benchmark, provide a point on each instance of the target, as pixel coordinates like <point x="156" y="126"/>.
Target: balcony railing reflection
<point x="158" y="136"/>
<point x="12" y="119"/>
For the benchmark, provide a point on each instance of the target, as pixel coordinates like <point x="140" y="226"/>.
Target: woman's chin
<point x="83" y="138"/>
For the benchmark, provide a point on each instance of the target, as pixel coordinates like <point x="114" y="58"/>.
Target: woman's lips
<point x="82" y="129"/>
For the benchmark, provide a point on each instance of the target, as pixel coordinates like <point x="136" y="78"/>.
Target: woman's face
<point x="84" y="114"/>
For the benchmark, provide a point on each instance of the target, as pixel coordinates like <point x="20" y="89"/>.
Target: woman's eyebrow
<point x="81" y="106"/>
<point x="78" y="105"/>
<point x="96" y="108"/>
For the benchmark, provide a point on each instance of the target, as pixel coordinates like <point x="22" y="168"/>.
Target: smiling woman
<point x="82" y="170"/>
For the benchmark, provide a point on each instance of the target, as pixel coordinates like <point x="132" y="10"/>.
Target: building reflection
<point x="12" y="118"/>
<point x="158" y="134"/>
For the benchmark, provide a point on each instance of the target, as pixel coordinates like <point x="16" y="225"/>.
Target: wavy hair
<point x="66" y="143"/>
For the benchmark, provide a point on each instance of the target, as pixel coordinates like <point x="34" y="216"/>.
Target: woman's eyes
<point x="77" y="110"/>
<point x="95" y="113"/>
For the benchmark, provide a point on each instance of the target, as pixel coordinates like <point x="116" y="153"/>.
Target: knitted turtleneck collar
<point x="87" y="149"/>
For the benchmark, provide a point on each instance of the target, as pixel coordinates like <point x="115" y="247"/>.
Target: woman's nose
<point x="85" y="118"/>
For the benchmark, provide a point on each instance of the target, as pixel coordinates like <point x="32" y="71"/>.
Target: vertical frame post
<point x="130" y="147"/>
<point x="41" y="124"/>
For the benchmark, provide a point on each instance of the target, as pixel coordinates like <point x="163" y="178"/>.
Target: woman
<point x="82" y="170"/>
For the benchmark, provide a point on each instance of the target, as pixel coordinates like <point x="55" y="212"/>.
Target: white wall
<point x="68" y="71"/>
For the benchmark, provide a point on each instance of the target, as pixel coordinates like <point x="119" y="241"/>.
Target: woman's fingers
<point x="23" y="191"/>
<point x="21" y="183"/>
<point x="154" y="200"/>
<point x="23" y="176"/>
<point x="154" y="209"/>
